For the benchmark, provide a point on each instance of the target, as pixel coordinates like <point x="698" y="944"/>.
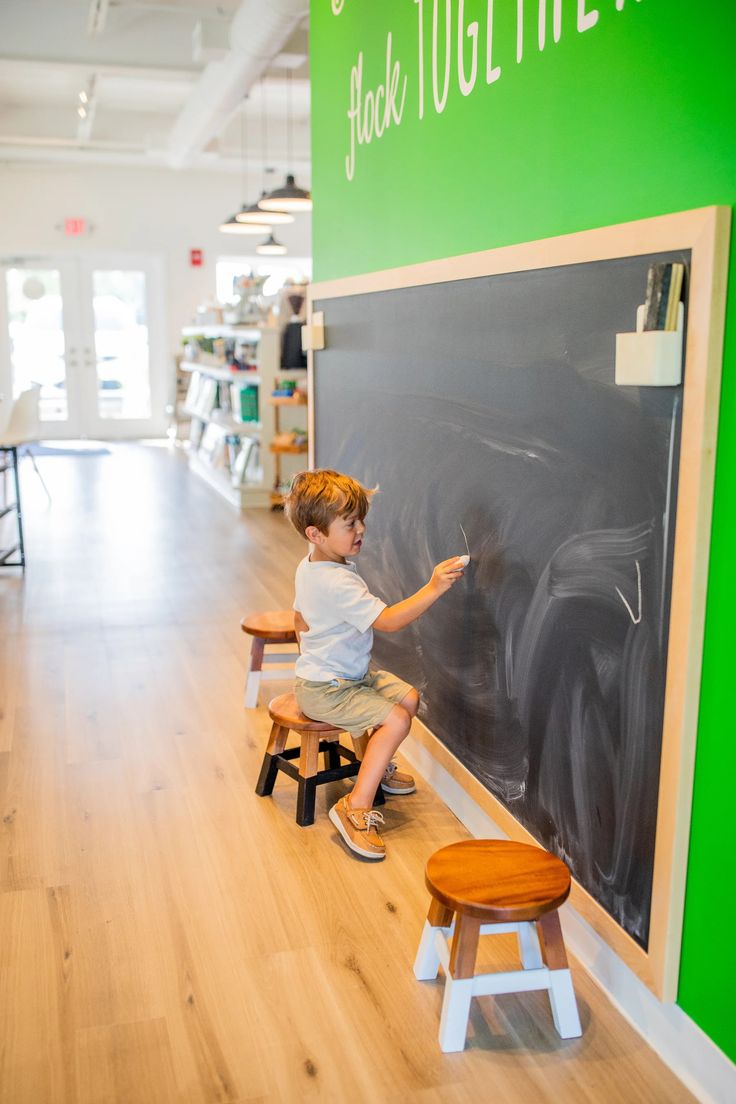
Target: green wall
<point x="630" y="118"/>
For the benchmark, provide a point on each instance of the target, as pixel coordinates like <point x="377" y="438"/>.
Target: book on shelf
<point x="245" y="467"/>
<point x="201" y="396"/>
<point x="244" y="402"/>
<point x="196" y="429"/>
<point x="195" y="381"/>
<point x="212" y="446"/>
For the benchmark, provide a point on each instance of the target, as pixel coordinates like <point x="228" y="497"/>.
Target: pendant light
<point x="289" y="197"/>
<point x="271" y="248"/>
<point x="254" y="213"/>
<point x="235" y="225"/>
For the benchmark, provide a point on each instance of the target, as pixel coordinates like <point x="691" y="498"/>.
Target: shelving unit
<point x="232" y="454"/>
<point x="297" y="401"/>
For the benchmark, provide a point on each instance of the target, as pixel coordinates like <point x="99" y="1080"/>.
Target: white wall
<point x="155" y="211"/>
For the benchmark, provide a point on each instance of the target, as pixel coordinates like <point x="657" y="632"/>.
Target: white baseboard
<point x="691" y="1055"/>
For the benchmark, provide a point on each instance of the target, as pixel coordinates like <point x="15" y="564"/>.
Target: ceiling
<point x="186" y="84"/>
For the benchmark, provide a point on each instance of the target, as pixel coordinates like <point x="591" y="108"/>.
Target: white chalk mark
<point x="466" y="540"/>
<point x="636" y="619"/>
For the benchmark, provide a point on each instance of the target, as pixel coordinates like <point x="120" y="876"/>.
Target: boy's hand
<point x="446" y="574"/>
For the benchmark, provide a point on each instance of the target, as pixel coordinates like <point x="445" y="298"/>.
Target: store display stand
<point x="298" y="399"/>
<point x="218" y="434"/>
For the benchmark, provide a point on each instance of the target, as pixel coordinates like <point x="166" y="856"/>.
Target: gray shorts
<point x="352" y="705"/>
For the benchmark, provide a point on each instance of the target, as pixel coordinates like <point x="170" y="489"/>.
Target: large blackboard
<point x="491" y="403"/>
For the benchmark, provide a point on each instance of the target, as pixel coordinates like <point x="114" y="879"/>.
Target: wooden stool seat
<point x="272" y="627"/>
<point x="284" y="711"/>
<point x="275" y="627"/>
<point x="497" y="881"/>
<point x="490" y="887"/>
<point x="314" y="737"/>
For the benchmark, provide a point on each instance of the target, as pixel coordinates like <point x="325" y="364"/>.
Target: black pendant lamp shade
<point x="235" y="225"/>
<point x="290" y="197"/>
<point x="255" y="213"/>
<point x="271" y="247"/>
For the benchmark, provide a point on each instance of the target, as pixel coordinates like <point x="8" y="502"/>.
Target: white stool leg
<point x="561" y="992"/>
<point x="427" y="962"/>
<point x="529" y="949"/>
<point x="252" y="686"/>
<point x="564" y="1005"/>
<point x="455" y="1012"/>
<point x="253" y="678"/>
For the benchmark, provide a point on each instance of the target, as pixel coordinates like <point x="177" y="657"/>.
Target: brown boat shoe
<point x="395" y="781"/>
<point x="359" y="829"/>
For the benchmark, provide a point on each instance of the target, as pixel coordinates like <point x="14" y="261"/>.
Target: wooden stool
<point x="490" y="887"/>
<point x="315" y="737"/>
<point x="276" y="627"/>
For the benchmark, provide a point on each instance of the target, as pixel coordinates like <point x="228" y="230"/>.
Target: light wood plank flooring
<point x="165" y="935"/>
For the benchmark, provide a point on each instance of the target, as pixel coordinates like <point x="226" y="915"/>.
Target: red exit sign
<point x="75" y="227"/>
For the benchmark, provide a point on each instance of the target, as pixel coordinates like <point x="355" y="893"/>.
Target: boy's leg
<point x="411" y="702"/>
<point x="395" y="781"/>
<point x="378" y="754"/>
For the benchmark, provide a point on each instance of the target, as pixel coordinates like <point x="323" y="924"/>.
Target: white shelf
<point x="227" y="375"/>
<point x="250" y="333"/>
<point x="244" y="429"/>
<point x="269" y="373"/>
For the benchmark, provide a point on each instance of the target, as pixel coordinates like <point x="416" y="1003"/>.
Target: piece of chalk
<point x="464" y="560"/>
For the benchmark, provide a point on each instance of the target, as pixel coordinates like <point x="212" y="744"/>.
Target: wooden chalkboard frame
<point x="706" y="233"/>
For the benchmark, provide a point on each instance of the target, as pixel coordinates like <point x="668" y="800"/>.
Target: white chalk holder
<point x="650" y="358"/>
<point x="313" y="333"/>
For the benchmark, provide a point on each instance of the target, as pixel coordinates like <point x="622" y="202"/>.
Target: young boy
<point x="335" y="615"/>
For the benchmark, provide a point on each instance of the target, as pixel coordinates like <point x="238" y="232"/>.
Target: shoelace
<point x="373" y="819"/>
<point x="390" y="769"/>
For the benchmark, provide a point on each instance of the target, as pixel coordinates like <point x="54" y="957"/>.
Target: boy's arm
<point x="403" y="613"/>
<point x="300" y="626"/>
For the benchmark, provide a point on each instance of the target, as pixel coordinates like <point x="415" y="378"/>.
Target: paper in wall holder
<point x="313" y="332"/>
<point x="650" y="358"/>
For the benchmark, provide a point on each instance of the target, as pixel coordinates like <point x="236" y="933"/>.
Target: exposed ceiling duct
<point x="257" y="33"/>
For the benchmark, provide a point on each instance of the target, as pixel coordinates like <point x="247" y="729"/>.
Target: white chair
<point x="22" y="427"/>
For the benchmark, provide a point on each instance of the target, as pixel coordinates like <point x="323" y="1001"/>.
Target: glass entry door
<point x="38" y="298"/>
<point x="88" y="331"/>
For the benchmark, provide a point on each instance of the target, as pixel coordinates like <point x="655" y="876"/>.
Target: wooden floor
<point x="166" y="935"/>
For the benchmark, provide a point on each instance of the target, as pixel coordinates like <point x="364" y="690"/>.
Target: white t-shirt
<point x="339" y="609"/>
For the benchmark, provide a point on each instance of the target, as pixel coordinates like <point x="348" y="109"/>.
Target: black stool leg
<point x="305" y="801"/>
<point x="379" y="798"/>
<point x="270" y="765"/>
<point x="267" y="777"/>
<point x="332" y="756"/>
